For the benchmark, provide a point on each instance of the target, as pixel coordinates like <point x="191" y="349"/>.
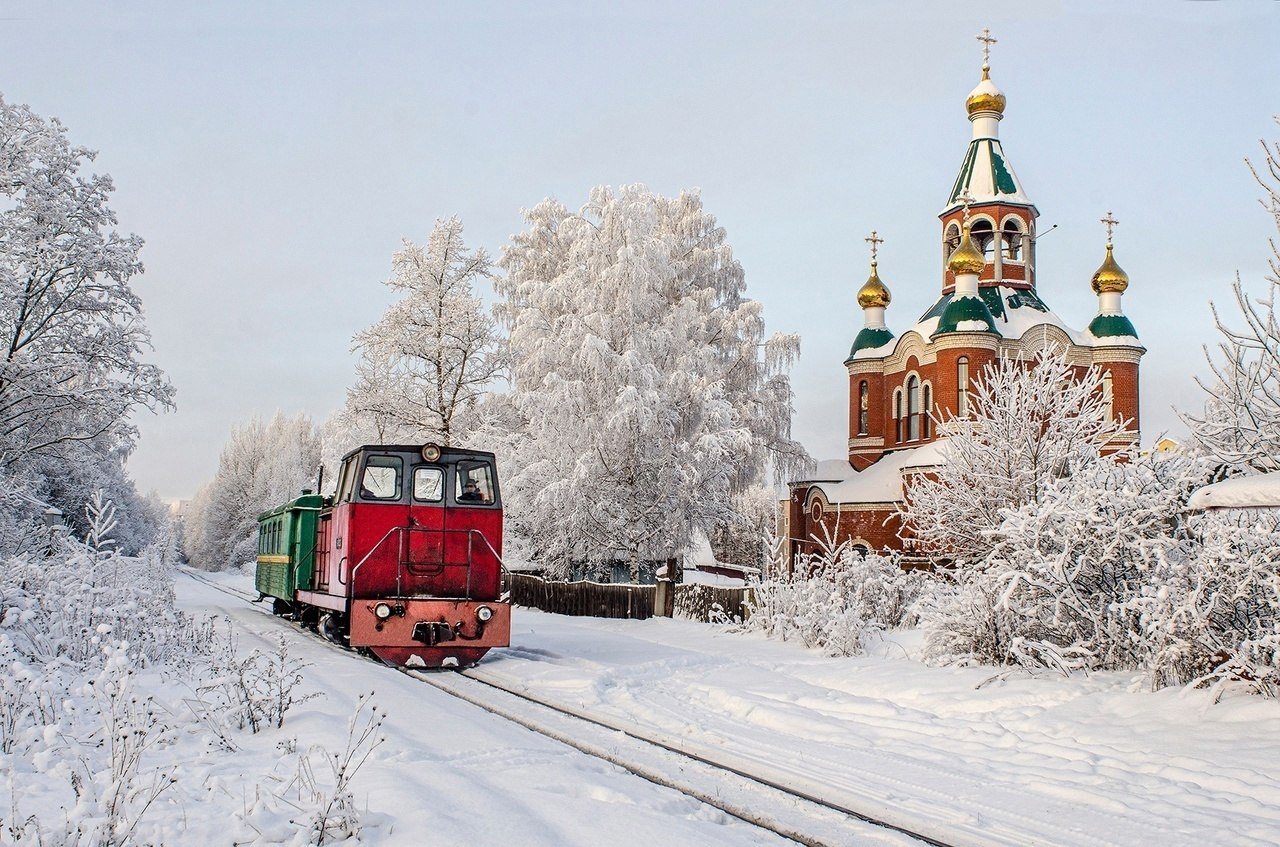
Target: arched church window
<point x="897" y="415"/>
<point x="983" y="236"/>
<point x="1012" y="240"/>
<point x="864" y="400"/>
<point x="913" y="409"/>
<point x="962" y="387"/>
<point x="1108" y="395"/>
<point x="926" y="415"/>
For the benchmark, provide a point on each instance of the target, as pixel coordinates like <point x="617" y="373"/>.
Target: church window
<point x="962" y="387"/>
<point x="1012" y="240"/>
<point x="928" y="404"/>
<point x="913" y="409"/>
<point x="1108" y="395"/>
<point x="897" y="415"/>
<point x="864" y="399"/>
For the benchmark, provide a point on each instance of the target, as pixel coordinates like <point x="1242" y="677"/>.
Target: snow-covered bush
<point x="835" y="599"/>
<point x="1053" y="591"/>
<point x="253" y="690"/>
<point x="1213" y="617"/>
<point x="70" y="603"/>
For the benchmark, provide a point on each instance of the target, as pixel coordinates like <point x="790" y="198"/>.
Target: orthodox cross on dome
<point x="875" y="241"/>
<point x="966" y="198"/>
<point x="987" y="41"/>
<point x="1110" y="223"/>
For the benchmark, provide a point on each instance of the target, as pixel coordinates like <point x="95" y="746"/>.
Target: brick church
<point x="988" y="307"/>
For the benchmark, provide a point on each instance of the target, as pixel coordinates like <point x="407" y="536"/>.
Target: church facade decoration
<point x="988" y="307"/>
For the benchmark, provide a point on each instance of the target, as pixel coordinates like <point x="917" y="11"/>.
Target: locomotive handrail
<point x="372" y="550"/>
<point x="471" y="532"/>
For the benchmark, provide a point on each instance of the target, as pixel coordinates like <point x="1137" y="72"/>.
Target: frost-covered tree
<point x="644" y="392"/>
<point x="1030" y="422"/>
<point x="261" y="466"/>
<point x="1240" y="426"/>
<point x="72" y="334"/>
<point x="435" y="351"/>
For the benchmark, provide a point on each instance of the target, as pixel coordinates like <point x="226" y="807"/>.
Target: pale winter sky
<point x="273" y="155"/>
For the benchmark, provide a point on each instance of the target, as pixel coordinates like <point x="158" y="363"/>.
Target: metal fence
<point x="625" y="600"/>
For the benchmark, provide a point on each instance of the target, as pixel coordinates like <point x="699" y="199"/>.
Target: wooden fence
<point x="624" y="600"/>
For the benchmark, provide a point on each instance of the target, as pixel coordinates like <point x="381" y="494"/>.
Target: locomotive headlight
<point x="483" y="614"/>
<point x="382" y="611"/>
<point x="431" y="452"/>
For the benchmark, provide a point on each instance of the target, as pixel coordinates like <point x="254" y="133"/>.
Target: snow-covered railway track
<point x="753" y="798"/>
<point x="250" y="596"/>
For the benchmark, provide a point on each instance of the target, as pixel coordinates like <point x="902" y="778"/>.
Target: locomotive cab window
<point x="346" y="476"/>
<point x="381" y="478"/>
<point x="474" y="483"/>
<point x="428" y="484"/>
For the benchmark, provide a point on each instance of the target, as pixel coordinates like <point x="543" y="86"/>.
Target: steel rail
<point x="640" y="735"/>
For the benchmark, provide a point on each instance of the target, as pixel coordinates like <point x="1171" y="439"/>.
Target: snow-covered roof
<point x="1015" y="311"/>
<point x="1247" y="492"/>
<point x="882" y="482"/>
<point x="986" y="177"/>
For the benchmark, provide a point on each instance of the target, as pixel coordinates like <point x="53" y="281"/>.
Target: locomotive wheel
<point x="330" y="627"/>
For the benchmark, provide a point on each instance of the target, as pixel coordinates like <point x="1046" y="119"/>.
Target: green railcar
<point x="287" y="547"/>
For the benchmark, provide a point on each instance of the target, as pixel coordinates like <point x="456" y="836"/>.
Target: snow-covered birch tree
<point x="72" y="334"/>
<point x="435" y="351"/>
<point x="261" y="466"/>
<point x="645" y="393"/>
<point x="1030" y="422"/>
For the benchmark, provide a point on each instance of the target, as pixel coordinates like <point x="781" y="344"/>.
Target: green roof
<point x="869" y="339"/>
<point x="965" y="309"/>
<point x="1112" y="326"/>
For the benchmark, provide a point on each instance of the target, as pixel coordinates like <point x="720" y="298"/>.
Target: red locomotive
<point x="404" y="561"/>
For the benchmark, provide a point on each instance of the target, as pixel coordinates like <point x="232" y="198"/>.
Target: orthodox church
<point x="988" y="307"/>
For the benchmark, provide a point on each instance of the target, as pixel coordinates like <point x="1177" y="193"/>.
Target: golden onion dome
<point x="1110" y="277"/>
<point x="873" y="292"/>
<point x="966" y="259"/>
<point x="985" y="97"/>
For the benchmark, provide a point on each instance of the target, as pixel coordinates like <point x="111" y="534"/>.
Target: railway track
<point x="797" y="815"/>
<point x="250" y="596"/>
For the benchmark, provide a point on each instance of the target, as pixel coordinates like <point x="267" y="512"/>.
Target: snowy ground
<point x="959" y="754"/>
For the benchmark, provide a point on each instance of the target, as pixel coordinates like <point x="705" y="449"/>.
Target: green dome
<point x="1112" y="326"/>
<point x="869" y="339"/>
<point x="966" y="310"/>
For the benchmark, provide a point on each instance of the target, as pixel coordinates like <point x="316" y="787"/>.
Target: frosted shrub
<point x="1213" y="617"/>
<point x="253" y="691"/>
<point x="835" y="599"/>
<point x="1055" y="590"/>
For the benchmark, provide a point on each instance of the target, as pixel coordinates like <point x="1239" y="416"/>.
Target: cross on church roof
<point x="966" y="198"/>
<point x="875" y="241"/>
<point x="1110" y="223"/>
<point x="987" y="41"/>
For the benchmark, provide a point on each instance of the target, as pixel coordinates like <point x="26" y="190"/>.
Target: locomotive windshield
<point x="428" y="484"/>
<point x="381" y="479"/>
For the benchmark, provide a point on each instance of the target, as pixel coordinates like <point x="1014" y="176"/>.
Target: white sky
<point x="273" y="156"/>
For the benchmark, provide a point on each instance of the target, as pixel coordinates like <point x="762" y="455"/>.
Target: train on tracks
<point x="403" y="561"/>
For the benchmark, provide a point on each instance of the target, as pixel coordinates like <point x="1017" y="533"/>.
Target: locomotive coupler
<point x="432" y="633"/>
